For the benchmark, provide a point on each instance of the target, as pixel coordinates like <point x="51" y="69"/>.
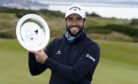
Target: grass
<point x="118" y="64"/>
<point x="96" y="21"/>
<point x="57" y="25"/>
<point x="14" y="66"/>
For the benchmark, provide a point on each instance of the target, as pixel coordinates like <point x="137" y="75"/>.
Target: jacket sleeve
<point x="36" y="68"/>
<point x="84" y="65"/>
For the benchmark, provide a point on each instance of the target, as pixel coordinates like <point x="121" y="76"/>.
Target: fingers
<point x="40" y="56"/>
<point x="37" y="52"/>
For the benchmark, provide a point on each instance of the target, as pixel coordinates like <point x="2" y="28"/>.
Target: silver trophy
<point x="32" y="32"/>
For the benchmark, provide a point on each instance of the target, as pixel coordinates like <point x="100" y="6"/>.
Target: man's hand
<point x="40" y="56"/>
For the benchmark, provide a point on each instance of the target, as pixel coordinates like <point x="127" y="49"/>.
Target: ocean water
<point x="105" y="11"/>
<point x="125" y="9"/>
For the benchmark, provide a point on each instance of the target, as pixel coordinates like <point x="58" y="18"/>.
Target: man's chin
<point x="74" y="32"/>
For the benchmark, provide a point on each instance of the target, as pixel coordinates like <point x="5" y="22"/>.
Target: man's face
<point x="74" y="23"/>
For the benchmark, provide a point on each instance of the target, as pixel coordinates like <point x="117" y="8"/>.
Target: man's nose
<point x="74" y="23"/>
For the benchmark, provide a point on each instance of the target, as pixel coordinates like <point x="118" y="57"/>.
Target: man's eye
<point x="79" y="18"/>
<point x="70" y="18"/>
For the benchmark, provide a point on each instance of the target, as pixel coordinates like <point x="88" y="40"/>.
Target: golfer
<point x="73" y="58"/>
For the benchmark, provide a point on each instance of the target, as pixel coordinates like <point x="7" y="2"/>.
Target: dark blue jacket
<point x="70" y="63"/>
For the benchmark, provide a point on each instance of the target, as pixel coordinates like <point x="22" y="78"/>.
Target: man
<point x="73" y="58"/>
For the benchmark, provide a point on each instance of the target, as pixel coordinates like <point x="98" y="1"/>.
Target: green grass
<point x="56" y="23"/>
<point x="118" y="64"/>
<point x="96" y="21"/>
<point x="14" y="66"/>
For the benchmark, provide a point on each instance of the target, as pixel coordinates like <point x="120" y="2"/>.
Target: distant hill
<point x="97" y="27"/>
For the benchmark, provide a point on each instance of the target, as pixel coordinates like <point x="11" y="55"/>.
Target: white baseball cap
<point x="75" y="8"/>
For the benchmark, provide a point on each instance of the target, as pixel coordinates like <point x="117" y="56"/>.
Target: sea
<point x="127" y="10"/>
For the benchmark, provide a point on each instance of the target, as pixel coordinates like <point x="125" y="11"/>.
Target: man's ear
<point x="84" y="19"/>
<point x="65" y="19"/>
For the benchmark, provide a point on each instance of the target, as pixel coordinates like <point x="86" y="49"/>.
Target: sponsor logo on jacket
<point x="90" y="57"/>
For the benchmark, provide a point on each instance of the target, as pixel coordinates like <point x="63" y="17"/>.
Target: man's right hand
<point x="40" y="56"/>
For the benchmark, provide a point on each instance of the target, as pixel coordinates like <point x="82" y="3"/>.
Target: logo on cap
<point x="75" y="8"/>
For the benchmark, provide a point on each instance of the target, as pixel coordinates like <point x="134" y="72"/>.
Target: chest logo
<point x="58" y="52"/>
